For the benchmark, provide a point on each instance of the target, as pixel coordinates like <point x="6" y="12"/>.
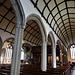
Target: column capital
<point x="20" y="25"/>
<point x="44" y="41"/>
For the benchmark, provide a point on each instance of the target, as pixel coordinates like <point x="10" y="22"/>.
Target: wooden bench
<point x="36" y="70"/>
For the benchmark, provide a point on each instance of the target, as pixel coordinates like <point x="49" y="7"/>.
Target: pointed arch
<point x="38" y="20"/>
<point x="53" y="49"/>
<point x="52" y="39"/>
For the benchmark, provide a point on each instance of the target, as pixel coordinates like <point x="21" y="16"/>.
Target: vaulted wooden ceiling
<point x="7" y="17"/>
<point x="8" y="22"/>
<point x="32" y="33"/>
<point x="60" y="16"/>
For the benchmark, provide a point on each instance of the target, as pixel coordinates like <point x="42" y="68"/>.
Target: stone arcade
<point x="38" y="35"/>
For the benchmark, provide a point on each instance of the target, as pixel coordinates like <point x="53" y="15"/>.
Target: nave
<point x="37" y="37"/>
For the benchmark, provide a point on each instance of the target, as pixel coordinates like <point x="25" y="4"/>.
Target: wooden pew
<point x="36" y="70"/>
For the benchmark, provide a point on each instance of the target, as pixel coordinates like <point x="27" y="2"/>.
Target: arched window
<point x="72" y="50"/>
<point x="8" y="53"/>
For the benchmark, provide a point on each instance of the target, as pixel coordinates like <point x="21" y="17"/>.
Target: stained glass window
<point x="72" y="50"/>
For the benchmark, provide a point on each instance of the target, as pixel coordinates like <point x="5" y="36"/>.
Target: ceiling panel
<point x="32" y="32"/>
<point x="8" y="21"/>
<point x="7" y="17"/>
<point x="61" y="17"/>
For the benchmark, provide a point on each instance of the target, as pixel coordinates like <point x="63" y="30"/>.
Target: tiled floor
<point x="73" y="71"/>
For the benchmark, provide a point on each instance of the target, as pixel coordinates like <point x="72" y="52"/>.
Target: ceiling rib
<point x="69" y="21"/>
<point x="60" y="26"/>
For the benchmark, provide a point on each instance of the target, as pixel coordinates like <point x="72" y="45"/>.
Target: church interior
<point x="37" y="37"/>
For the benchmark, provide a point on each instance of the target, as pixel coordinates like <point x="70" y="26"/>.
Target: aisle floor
<point x="73" y="71"/>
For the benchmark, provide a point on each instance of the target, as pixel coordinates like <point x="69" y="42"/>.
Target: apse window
<point x="72" y="50"/>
